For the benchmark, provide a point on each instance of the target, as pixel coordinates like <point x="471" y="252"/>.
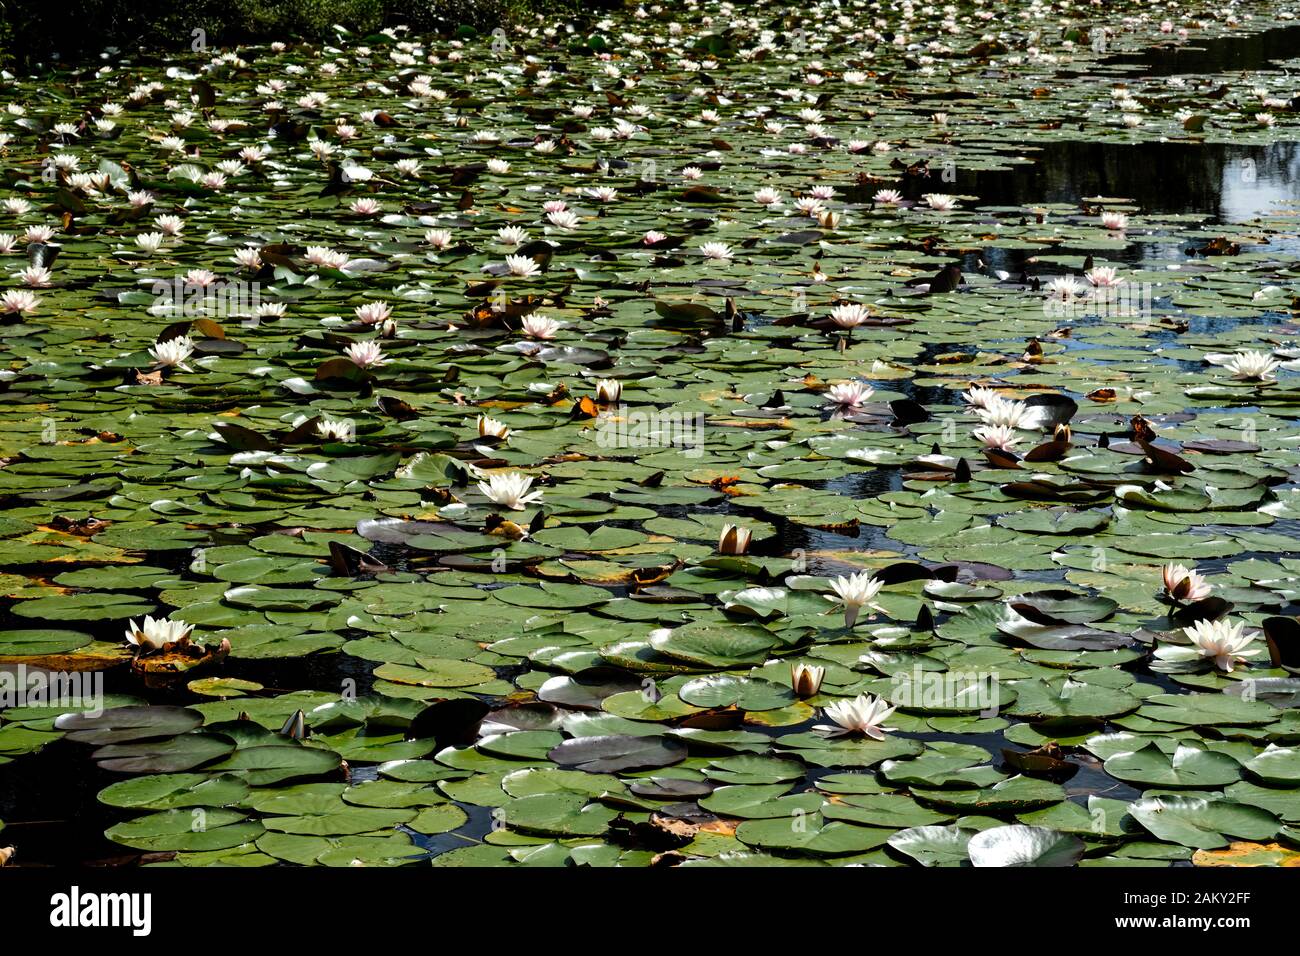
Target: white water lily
<point x="718" y="251"/>
<point x="153" y="634"/>
<point x="1185" y="584"/>
<point x="491" y="428"/>
<point x="1114" y="221"/>
<point x="1221" y="641"/>
<point x="1104" y="276"/>
<point x="767" y="196"/>
<point x="173" y="353"/>
<point x="335" y="431"/>
<point x="522" y="266"/>
<point x="887" y="197"/>
<point x="976" y="396"/>
<point x="1253" y="366"/>
<point x="438" y="238"/>
<point x="941" y="201"/>
<point x="1005" y="412"/>
<point x="850" y="394"/>
<point x="510" y="490"/>
<point x="1066" y="288"/>
<point x="806" y="680"/>
<point x="864" y="714"/>
<point x="733" y="539"/>
<point x="854" y="592"/>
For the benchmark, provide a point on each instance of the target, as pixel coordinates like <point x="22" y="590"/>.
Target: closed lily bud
<point x="806" y="680"/>
<point x="733" y="540"/>
<point x="609" y="390"/>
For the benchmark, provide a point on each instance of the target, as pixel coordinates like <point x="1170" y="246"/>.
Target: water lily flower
<point x="1253" y="366"/>
<point x="155" y="634"/>
<point x="1006" y="412"/>
<point x="1103" y="276"/>
<point x="491" y="428"/>
<point x="829" y="219"/>
<point x="887" y="197"/>
<point x="977" y="396"/>
<point x="941" y="202"/>
<point x="810" y="206"/>
<point x="173" y="353"/>
<point x="854" y="592"/>
<point x="998" y="436"/>
<point x="522" y="266"/>
<point x="718" y="251"/>
<point x="365" y="207"/>
<point x="1184" y="583"/>
<point x="38" y="234"/>
<point x="850" y="316"/>
<point x="603" y="193"/>
<point x="16" y="206"/>
<point x="373" y="313"/>
<point x="1221" y="641"/>
<point x="250" y="259"/>
<point x="512" y="235"/>
<point x="170" y="225"/>
<point x="767" y="196"/>
<point x="36" y="277"/>
<point x="438" y="238"/>
<point x="733" y="539"/>
<point x="540" y="326"/>
<point x="609" y="390"/>
<point x="510" y="490"/>
<point x="564" y="219"/>
<point x="498" y="166"/>
<point x="149" y="242"/>
<point x="806" y="680"/>
<point x="1114" y="221"/>
<point x="863" y="714"/>
<point x="850" y="394"/>
<point x="1065" y="288"/>
<point x="368" y="354"/>
<point x="653" y="236"/>
<point x="334" y="431"/>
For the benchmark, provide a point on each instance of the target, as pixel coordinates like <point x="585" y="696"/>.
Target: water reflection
<point x="1230" y="182"/>
<point x="1214" y="55"/>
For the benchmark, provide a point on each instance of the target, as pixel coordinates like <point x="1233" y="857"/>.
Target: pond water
<point x="635" y="676"/>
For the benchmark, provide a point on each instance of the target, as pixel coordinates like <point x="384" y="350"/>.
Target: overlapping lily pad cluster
<point x="616" y="438"/>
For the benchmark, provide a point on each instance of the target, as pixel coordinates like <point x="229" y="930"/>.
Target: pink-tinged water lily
<point x="806" y="680"/>
<point x="368" y="354"/>
<point x="854" y="592"/>
<point x="373" y="313"/>
<point x="36" y="277"/>
<point x="154" y="634"/>
<point x="1184" y="583"/>
<point x="850" y="394"/>
<point x="1114" y="221"/>
<point x="1104" y="276"/>
<point x="653" y="236"/>
<point x="365" y="207"/>
<point x="18" y="301"/>
<point x="863" y="714"/>
<point x="173" y="353"/>
<point x="767" y="196"/>
<point x="491" y="428"/>
<point x="1220" y="641"/>
<point x="887" y="197"/>
<point x="438" y="238"/>
<point x="510" y="490"/>
<point x="540" y="327"/>
<point x="733" y="539"/>
<point x="850" y="315"/>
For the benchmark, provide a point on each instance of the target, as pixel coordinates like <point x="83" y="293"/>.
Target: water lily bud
<point x="806" y="680"/>
<point x="733" y="540"/>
